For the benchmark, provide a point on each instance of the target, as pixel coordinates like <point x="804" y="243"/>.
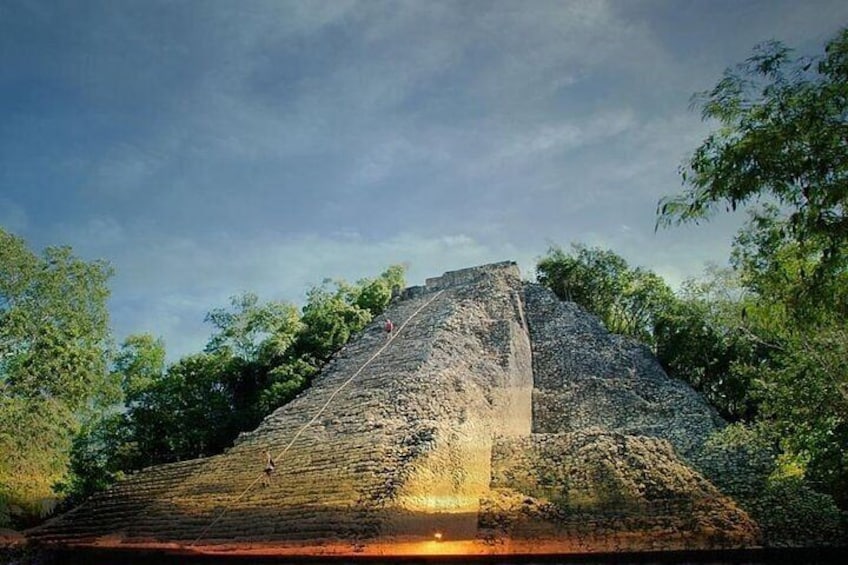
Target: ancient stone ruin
<point x="494" y="420"/>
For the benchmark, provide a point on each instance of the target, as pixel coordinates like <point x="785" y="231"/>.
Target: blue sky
<point x="207" y="147"/>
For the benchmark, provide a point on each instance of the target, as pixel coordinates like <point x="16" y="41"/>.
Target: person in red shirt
<point x="389" y="327"/>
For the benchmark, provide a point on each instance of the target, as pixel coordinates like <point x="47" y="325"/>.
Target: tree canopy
<point x="781" y="140"/>
<point x="628" y="300"/>
<point x="782" y="143"/>
<point x="54" y="347"/>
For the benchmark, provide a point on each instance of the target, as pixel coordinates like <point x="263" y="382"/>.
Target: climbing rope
<point x="316" y="416"/>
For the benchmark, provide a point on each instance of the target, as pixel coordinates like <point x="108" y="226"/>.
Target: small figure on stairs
<point x="389" y="327"/>
<point x="269" y="469"/>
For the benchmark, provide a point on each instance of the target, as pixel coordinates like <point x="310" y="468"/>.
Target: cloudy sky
<point x="211" y="147"/>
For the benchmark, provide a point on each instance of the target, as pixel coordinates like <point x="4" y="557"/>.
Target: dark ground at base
<point x="736" y="557"/>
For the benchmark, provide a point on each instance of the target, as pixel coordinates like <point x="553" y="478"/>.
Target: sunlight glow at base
<point x="437" y="536"/>
<point x="446" y="503"/>
<point x="438" y="547"/>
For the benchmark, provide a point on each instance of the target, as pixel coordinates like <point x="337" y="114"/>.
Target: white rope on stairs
<point x="317" y="415"/>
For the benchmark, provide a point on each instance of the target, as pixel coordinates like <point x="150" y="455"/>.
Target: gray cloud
<point x="212" y="147"/>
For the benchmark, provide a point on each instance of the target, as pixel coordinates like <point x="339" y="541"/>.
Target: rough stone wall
<point x="609" y="464"/>
<point x="586" y="377"/>
<point x="591" y="386"/>
<point x="789" y="512"/>
<point x="404" y="448"/>
<point x="605" y="491"/>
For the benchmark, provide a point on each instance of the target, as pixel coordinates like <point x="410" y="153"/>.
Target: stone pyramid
<point x="495" y="420"/>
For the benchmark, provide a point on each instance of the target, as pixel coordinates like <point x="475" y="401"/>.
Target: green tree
<point x="805" y="402"/>
<point x="256" y="339"/>
<point x="54" y="348"/>
<point x="804" y="378"/>
<point x="781" y="142"/>
<point x="777" y="269"/>
<point x="187" y="413"/>
<point x="253" y="331"/>
<point x="108" y="444"/>
<point x="627" y="300"/>
<point x="100" y="452"/>
<point x="169" y="414"/>
<point x="331" y="317"/>
<point x="704" y="338"/>
<point x="54" y="337"/>
<point x="139" y="363"/>
<point x="195" y="395"/>
<point x="375" y="295"/>
<point x="592" y="277"/>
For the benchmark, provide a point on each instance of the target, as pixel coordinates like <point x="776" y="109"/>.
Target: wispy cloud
<point x="212" y="147"/>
